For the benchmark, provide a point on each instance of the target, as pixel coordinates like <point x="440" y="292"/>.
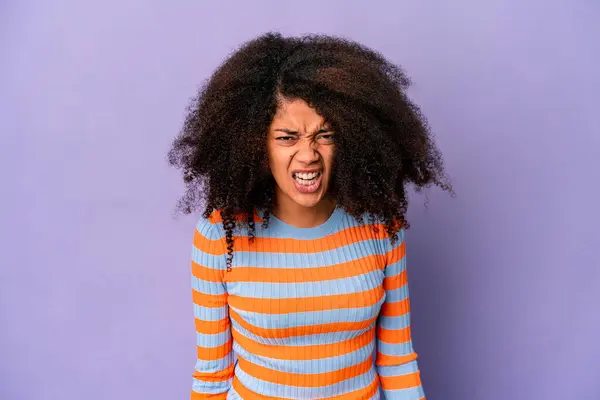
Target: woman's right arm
<point x="214" y="367"/>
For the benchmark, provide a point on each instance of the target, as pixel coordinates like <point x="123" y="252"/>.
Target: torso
<point x="303" y="305"/>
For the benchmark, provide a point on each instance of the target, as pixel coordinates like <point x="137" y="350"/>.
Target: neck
<point x="299" y="216"/>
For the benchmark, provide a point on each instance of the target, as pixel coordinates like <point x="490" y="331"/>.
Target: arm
<point x="214" y="367"/>
<point x="396" y="359"/>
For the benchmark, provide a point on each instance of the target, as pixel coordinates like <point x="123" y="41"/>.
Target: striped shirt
<point x="304" y="313"/>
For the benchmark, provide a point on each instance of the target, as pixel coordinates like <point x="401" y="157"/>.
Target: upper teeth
<point x="306" y="175"/>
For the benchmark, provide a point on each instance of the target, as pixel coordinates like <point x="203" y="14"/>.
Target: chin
<point x="307" y="202"/>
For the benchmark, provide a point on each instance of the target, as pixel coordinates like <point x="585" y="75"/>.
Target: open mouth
<point x="306" y="178"/>
<point x="307" y="182"/>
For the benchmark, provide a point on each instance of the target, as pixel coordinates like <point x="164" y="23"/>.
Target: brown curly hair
<point x="383" y="142"/>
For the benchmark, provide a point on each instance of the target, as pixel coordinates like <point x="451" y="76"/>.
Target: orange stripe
<point x="306" y="304"/>
<point x="396" y="254"/>
<point x="396" y="309"/>
<point x="309" y="352"/>
<point x="209" y="300"/>
<point x="219" y="376"/>
<point x="394" y="336"/>
<point x="206" y="274"/>
<point x="211" y="327"/>
<point x="304" y="380"/>
<point x="365" y="393"/>
<point x="214" y="353"/>
<point x="385" y="360"/>
<point x="246" y="393"/>
<point x="300" y="330"/>
<point x="208" y="396"/>
<point x="217" y="218"/>
<point x="215" y="247"/>
<point x="360" y="394"/>
<point x="396" y="281"/>
<point x="401" y="381"/>
<point x="292" y="275"/>
<point x="286" y="245"/>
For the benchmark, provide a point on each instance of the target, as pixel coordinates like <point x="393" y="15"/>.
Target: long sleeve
<point x="213" y="376"/>
<point x="396" y="359"/>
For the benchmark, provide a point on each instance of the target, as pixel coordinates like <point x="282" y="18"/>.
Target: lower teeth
<point x="306" y="182"/>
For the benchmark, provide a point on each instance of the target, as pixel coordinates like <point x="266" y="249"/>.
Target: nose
<point x="308" y="152"/>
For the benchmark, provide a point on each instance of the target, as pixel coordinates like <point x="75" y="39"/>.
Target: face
<point x="300" y="146"/>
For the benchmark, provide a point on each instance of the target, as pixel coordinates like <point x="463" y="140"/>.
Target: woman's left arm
<point x="396" y="359"/>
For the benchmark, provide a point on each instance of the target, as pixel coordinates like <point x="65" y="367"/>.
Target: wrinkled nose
<point x="308" y="153"/>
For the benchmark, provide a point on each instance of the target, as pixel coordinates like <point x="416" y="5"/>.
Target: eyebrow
<point x="288" y="131"/>
<point x="292" y="132"/>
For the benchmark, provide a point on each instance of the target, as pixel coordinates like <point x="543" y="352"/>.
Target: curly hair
<point x="383" y="142"/>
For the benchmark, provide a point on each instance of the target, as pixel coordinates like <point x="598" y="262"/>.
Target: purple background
<point x="95" y="293"/>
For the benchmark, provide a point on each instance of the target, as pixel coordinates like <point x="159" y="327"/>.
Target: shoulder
<point x="373" y="233"/>
<point x="210" y="228"/>
<point x="216" y="217"/>
<point x="371" y="226"/>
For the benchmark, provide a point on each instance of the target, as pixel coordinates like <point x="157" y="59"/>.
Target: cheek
<point x="278" y="161"/>
<point x="328" y="157"/>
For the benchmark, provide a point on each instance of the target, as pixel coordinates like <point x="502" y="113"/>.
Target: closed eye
<point x="326" y="138"/>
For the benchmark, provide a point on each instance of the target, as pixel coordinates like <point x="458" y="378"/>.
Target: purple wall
<point x="95" y="298"/>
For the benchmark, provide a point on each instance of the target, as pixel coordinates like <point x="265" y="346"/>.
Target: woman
<point x="300" y="150"/>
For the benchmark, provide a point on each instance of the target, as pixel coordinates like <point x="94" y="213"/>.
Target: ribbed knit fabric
<point x="303" y="309"/>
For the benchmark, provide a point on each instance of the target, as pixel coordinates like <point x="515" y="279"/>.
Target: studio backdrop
<point x="95" y="284"/>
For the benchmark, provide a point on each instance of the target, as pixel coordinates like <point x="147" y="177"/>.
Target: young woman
<point x="300" y="150"/>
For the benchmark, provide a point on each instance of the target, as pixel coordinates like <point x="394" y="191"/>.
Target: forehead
<point x="296" y="114"/>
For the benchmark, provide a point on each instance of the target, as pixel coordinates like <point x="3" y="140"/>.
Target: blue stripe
<point x="278" y="390"/>
<point x="209" y="230"/>
<point x="377" y="396"/>
<point x="397" y="349"/>
<point x="282" y="229"/>
<point x="210" y="314"/>
<point x="211" y="366"/>
<point x="211" y="387"/>
<point x="415" y="393"/>
<point x="301" y="341"/>
<point x="395" y="268"/>
<point x="207" y="287"/>
<point x="396" y="295"/>
<point x="397" y="370"/>
<point x="266" y="290"/>
<point x="233" y="395"/>
<point x="401" y="236"/>
<point x="217" y="262"/>
<point x="213" y="340"/>
<point x="395" y="323"/>
<point x="316" y="366"/>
